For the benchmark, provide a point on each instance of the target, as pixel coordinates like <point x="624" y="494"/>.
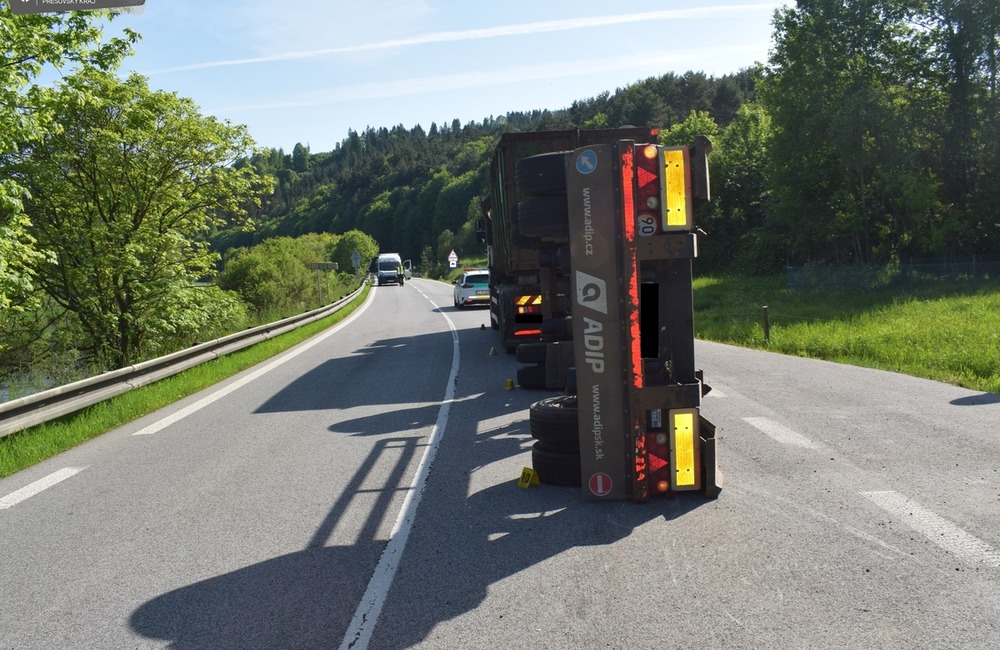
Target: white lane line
<point x="359" y="632"/>
<point x="173" y="418"/>
<point x="41" y="484"/>
<point x="781" y="433"/>
<point x="937" y="529"/>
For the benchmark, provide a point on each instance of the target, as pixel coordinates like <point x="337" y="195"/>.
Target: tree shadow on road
<point x="306" y="599"/>
<point x="473" y="530"/>
<point x="977" y="400"/>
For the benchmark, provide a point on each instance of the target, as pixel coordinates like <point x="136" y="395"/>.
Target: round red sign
<point x="600" y="484"/>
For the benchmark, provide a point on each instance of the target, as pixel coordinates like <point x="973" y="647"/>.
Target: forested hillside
<point x="872" y="135"/>
<point x="411" y="188"/>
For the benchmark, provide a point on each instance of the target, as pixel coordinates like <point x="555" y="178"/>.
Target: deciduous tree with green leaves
<point x="28" y="44"/>
<point x="122" y="197"/>
<point x="354" y="240"/>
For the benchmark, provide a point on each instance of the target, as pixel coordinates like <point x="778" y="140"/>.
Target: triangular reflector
<point x="655" y="463"/>
<point x="645" y="177"/>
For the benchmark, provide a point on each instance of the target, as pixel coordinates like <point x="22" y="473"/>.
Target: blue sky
<point x="308" y="70"/>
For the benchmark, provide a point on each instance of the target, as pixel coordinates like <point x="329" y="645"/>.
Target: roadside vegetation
<point x="33" y="445"/>
<point x="944" y="330"/>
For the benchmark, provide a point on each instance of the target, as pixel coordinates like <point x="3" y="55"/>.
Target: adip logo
<point x="591" y="292"/>
<point x="586" y="162"/>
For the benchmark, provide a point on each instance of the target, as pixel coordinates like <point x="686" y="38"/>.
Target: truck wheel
<point x="543" y="216"/>
<point x="531" y="377"/>
<point x="570" y="387"/>
<point x="542" y="175"/>
<point x="553" y="421"/>
<point x="531" y="353"/>
<point x="554" y="467"/>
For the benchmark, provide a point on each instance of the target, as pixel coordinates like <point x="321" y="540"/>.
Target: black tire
<point x="554" y="421"/>
<point x="541" y="175"/>
<point x="570" y="387"/>
<point x="531" y="353"/>
<point x="554" y="467"/>
<point x="531" y="377"/>
<point x="543" y="216"/>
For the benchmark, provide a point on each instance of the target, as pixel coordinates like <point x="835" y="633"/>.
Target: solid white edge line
<point x="41" y="484"/>
<point x="937" y="529"/>
<point x="173" y="418"/>
<point x="359" y="632"/>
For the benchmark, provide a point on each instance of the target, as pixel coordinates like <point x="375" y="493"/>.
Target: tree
<point x="966" y="35"/>
<point x="845" y="89"/>
<point x="273" y="275"/>
<point x="30" y="43"/>
<point x="354" y="240"/>
<point x="300" y="158"/>
<point x="445" y="244"/>
<point x="599" y="121"/>
<point x="684" y="133"/>
<point x="737" y="238"/>
<point x="122" y="198"/>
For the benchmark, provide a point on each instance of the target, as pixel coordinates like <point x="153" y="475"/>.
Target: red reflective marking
<point x="640" y="490"/>
<point x="656" y="463"/>
<point x="628" y="198"/>
<point x="632" y="268"/>
<point x="645" y="177"/>
<point x="640" y="455"/>
<point x="527" y="332"/>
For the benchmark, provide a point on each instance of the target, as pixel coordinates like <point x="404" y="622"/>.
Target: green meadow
<point x="947" y="331"/>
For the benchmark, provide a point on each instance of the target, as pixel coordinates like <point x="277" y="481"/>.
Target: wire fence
<point x="973" y="270"/>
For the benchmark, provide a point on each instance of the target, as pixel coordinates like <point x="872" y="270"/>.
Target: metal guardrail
<point x="31" y="410"/>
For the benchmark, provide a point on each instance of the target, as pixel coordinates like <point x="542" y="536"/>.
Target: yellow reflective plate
<point x="676" y="213"/>
<point x="685" y="439"/>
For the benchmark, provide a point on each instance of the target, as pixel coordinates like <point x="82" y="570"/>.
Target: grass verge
<point x="942" y="330"/>
<point x="33" y="445"/>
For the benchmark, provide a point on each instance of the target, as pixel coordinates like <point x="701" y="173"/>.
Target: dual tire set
<point x="555" y="455"/>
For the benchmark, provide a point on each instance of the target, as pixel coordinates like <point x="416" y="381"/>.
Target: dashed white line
<point x="41" y="484"/>
<point x="937" y="529"/>
<point x="359" y="632"/>
<point x="781" y="433"/>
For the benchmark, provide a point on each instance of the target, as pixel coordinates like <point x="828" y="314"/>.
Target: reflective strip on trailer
<point x="684" y="449"/>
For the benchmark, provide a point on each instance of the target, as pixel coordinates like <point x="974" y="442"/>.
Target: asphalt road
<point x="361" y="491"/>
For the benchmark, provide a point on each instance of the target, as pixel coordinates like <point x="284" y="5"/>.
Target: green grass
<point x="941" y="330"/>
<point x="33" y="445"/>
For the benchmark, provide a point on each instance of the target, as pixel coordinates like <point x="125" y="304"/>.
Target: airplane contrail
<point x="488" y="32"/>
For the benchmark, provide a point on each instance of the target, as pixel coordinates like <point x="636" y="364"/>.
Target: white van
<point x="391" y="269"/>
